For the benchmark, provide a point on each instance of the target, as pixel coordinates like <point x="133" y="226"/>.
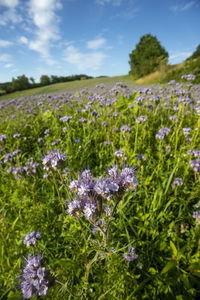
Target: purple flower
<point x="131" y="255"/>
<point x="119" y="153"/>
<point x="125" y="128"/>
<point x="31" y="238"/>
<point x="66" y="119"/>
<point x="54" y="160"/>
<point x="141" y="119"/>
<point x="177" y="182"/>
<point x="35" y="279"/>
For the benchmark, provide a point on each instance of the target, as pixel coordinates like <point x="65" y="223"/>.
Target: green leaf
<point x="174" y="250"/>
<point x="169" y="266"/>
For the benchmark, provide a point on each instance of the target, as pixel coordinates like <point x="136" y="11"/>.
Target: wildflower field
<point x="100" y="193"/>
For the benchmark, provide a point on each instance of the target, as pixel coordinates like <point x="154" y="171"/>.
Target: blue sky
<point x="94" y="37"/>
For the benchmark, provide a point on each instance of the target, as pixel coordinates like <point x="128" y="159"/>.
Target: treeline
<point x="23" y="83"/>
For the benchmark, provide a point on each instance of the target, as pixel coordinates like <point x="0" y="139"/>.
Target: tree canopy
<point x="147" y="57"/>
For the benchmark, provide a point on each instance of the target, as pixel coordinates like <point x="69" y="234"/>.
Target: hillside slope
<point x="71" y="86"/>
<point x="175" y="72"/>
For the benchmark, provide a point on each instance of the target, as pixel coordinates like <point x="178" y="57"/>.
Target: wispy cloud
<point x="84" y="61"/>
<point x="128" y="14"/>
<point x="183" y="6"/>
<point x="45" y="20"/>
<point x="23" y="40"/>
<point x="96" y="44"/>
<point x="8" y="65"/>
<point x="179" y="56"/>
<point x="4" y="43"/>
<point x="5" y="58"/>
<point x="9" y="13"/>
<point x="112" y="2"/>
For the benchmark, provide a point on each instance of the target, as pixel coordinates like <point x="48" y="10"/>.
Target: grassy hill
<point x="171" y="72"/>
<point x="71" y="86"/>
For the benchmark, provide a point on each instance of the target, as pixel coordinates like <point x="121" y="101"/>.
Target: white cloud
<point x="9" y="3"/>
<point x="183" y="6"/>
<point x="8" y="65"/>
<point x="177" y="57"/>
<point x="4" y="43"/>
<point x="5" y="58"/>
<point x="128" y="14"/>
<point x="23" y="40"/>
<point x="112" y="2"/>
<point x="9" y="14"/>
<point x="96" y="44"/>
<point x="84" y="61"/>
<point x="43" y="16"/>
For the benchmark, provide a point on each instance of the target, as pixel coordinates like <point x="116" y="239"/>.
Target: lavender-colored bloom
<point x="125" y="128"/>
<point x="162" y="133"/>
<point x="177" y="182"/>
<point x="3" y="138"/>
<point x="195" y="164"/>
<point x="16" y="135"/>
<point x="54" y="160"/>
<point x="141" y="119"/>
<point x="131" y="255"/>
<point x="35" y="279"/>
<point x="64" y="129"/>
<point x="82" y="120"/>
<point x="31" y="238"/>
<point x="119" y="153"/>
<point x="56" y="142"/>
<point x="188" y="76"/>
<point x="89" y="210"/>
<point x="196" y="216"/>
<point x="104" y="123"/>
<point x="194" y="152"/>
<point x="168" y="148"/>
<point x="66" y="119"/>
<point x="131" y="106"/>
<point x="186" y="131"/>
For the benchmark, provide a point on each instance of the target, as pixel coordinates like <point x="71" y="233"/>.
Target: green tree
<point x="45" y="80"/>
<point x="147" y="57"/>
<point x="20" y="83"/>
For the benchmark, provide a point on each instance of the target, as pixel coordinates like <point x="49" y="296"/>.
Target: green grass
<point x="70" y="86"/>
<point x="155" y="218"/>
<point x="173" y="72"/>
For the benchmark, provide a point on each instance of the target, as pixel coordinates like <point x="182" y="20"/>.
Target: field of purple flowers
<point x="100" y="194"/>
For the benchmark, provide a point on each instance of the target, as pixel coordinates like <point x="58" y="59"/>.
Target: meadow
<point x="100" y="193"/>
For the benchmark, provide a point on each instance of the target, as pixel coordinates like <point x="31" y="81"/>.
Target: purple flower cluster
<point x="141" y="119"/>
<point x="35" y="279"/>
<point x="16" y="135"/>
<point x="54" y="160"/>
<point x="195" y="164"/>
<point x="119" y="153"/>
<point x="66" y="119"/>
<point x="29" y="168"/>
<point x="8" y="157"/>
<point x="125" y="128"/>
<point x="194" y="152"/>
<point x="3" y="138"/>
<point x="188" y="76"/>
<point x="162" y="133"/>
<point x="196" y="216"/>
<point x="186" y="131"/>
<point x="31" y="238"/>
<point x="177" y="182"/>
<point x="131" y="255"/>
<point x="93" y="195"/>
